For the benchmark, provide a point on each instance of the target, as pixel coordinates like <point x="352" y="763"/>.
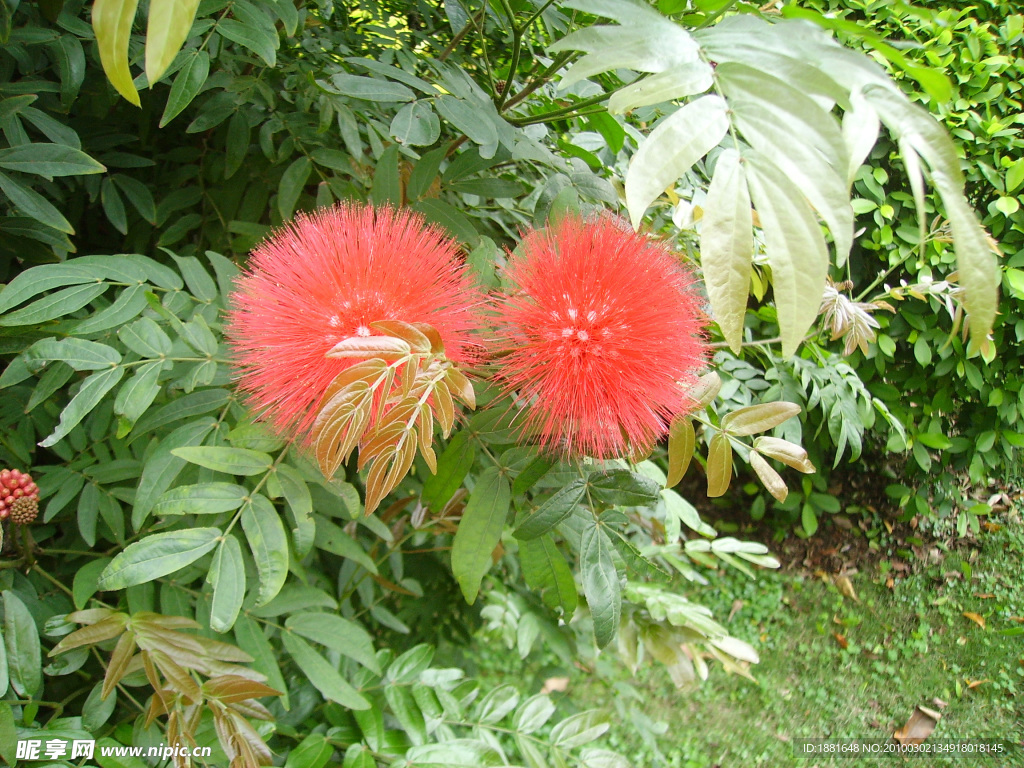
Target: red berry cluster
<point x="16" y="485"/>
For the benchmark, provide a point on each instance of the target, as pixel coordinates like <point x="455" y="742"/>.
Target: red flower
<point x="602" y="334"/>
<point x="326" y="277"/>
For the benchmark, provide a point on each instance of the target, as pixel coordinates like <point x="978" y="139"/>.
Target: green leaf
<point x="426" y="170"/>
<point x="227" y="576"/>
<point x="293" y="180"/>
<point x="408" y="713"/>
<point x="371" y="88"/>
<point x="795" y="246"/>
<point x="387" y="183"/>
<point x="300" y="503"/>
<point x="112" y="22"/>
<point x="113" y="206"/>
<point x="34" y="205"/>
<point x="8" y="729"/>
<point x="250" y="638"/>
<point x="452" y="467"/>
<point x="269" y="544"/>
<point x="236" y="144"/>
<point x="727" y="246"/>
<point x="483" y="521"/>
<point x="447" y="216"/>
<point x="85" y="584"/>
<point x="346" y="637"/>
<point x="600" y="583"/>
<point x="43" y="159"/>
<point x="322" y="674"/>
<point x="553" y="511"/>
<point x="138" y="393"/>
<point x="5" y="682"/>
<point x="261" y="41"/>
<point x="577" y="730"/>
<point x="127" y="306"/>
<point x="157" y="555"/>
<point x="169" y="23"/>
<point x="808" y="519"/>
<point x="545" y="568"/>
<point x="624" y="488"/>
<point x="201" y="499"/>
<point x="539" y="466"/>
<point x="96" y="710"/>
<point x="331" y="538"/>
<point x="37" y="280"/>
<point x="314" y="751"/>
<point x="24" y="655"/>
<point x="80" y="354"/>
<point x="234" y="461"/>
<point x="145" y="338"/>
<point x="671" y="149"/>
<point x="416" y="124"/>
<point x="88" y="397"/>
<point x="58" y="304"/>
<point x="187" y="84"/>
<point x="410" y="665"/>
<point x="467" y="118"/>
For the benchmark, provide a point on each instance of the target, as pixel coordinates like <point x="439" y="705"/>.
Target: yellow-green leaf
<point x="167" y="30"/>
<point x="681" y="440"/>
<point x="727" y="246"/>
<point x="769" y="477"/>
<point x="719" y="465"/>
<point x="752" y="419"/>
<point x="112" y="22"/>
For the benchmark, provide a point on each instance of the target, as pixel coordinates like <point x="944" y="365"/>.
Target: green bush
<point x="190" y="563"/>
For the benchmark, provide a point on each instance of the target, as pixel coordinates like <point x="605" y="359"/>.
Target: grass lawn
<point x="832" y="667"/>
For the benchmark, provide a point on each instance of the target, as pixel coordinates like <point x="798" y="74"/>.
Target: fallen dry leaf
<point x="841" y="639"/>
<point x="976" y="618"/>
<point x="845" y="587"/>
<point x="940" y="703"/>
<point x="889" y="583"/>
<point x="975" y="683"/>
<point x="919" y="727"/>
<point x="736" y="606"/>
<point x="984" y="595"/>
<point x="555" y="685"/>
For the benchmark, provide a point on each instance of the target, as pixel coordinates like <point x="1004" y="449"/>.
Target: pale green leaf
<point x="112" y="22"/>
<point x="671" y="149"/>
<point x="795" y="246"/>
<point x="686" y="79"/>
<point x="727" y="247"/>
<point x="169" y="23"/>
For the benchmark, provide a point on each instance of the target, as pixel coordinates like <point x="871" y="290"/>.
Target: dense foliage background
<point x="127" y="212"/>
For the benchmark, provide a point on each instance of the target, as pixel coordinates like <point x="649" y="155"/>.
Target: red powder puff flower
<point x="602" y="333"/>
<point x="326" y="277"/>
